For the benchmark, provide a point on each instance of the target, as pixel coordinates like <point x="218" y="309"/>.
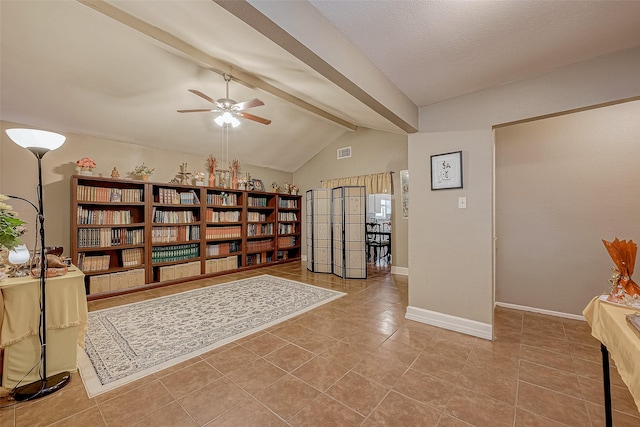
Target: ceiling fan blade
<point x="250" y="103"/>
<point x="197" y="110"/>
<point x="202" y="95"/>
<point x="254" y="118"/>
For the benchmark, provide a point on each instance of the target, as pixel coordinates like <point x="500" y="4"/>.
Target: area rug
<point x="129" y="342"/>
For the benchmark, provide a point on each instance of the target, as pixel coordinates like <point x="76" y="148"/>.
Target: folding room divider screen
<point x="336" y="231"/>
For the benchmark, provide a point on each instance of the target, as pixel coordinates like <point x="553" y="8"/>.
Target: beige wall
<point x="372" y="152"/>
<point x="18" y="174"/>
<point x="457" y="252"/>
<point x="598" y="81"/>
<point x="562" y="185"/>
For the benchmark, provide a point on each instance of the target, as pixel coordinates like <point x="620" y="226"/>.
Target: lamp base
<point x="42" y="388"/>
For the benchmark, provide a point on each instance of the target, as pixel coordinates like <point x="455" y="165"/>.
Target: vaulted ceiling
<point x="121" y="69"/>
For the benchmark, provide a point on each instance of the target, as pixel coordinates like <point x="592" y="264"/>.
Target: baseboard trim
<point x="400" y="271"/>
<point x="541" y="311"/>
<point x="452" y="323"/>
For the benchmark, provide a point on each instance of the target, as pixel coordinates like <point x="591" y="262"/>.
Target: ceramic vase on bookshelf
<point x="212" y="179"/>
<point x="86" y="171"/>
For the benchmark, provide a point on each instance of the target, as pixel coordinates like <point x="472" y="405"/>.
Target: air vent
<point x="344" y="153"/>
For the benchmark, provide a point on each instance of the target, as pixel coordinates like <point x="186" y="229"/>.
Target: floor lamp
<point x="40" y="142"/>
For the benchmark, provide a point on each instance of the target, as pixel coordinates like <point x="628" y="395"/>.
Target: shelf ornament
<point x="234" y="166"/>
<point x="623" y="290"/>
<point x="86" y="165"/>
<point x="212" y="163"/>
<point x="143" y="171"/>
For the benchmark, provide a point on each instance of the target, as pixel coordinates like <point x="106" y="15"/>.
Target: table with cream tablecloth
<point x="19" y="325"/>
<point x="609" y="326"/>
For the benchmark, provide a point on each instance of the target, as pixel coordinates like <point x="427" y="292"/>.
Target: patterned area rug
<point x="128" y="342"/>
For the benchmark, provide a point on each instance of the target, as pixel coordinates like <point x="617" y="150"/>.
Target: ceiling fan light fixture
<point x="227" y="118"/>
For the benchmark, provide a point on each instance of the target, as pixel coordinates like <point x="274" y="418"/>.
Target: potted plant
<point x="86" y="165"/>
<point x="143" y="171"/>
<point x="11" y="227"/>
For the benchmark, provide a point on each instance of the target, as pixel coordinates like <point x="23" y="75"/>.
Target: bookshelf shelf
<point x="183" y="232"/>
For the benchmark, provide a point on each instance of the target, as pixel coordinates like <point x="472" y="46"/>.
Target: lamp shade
<point x="38" y="140"/>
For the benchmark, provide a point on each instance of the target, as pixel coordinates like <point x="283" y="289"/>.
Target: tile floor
<point x="357" y="362"/>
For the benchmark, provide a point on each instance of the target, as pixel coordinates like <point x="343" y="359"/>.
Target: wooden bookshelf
<point x="131" y="235"/>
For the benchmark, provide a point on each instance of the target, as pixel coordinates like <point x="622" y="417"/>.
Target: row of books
<point x="283" y="254"/>
<point x="259" y="230"/>
<point x="225" y="232"/>
<point x="116" y="281"/>
<point x="256" y="216"/>
<point x="222" y="216"/>
<point x="178" y="271"/>
<point x="173" y="197"/>
<point x="286" y="241"/>
<point x="256" y="201"/>
<point x="175" y="252"/>
<point x="224" y="248"/>
<point x="132" y="257"/>
<point x="287" y="216"/>
<point x="286" y="228"/>
<point x="99" y="217"/>
<point x="259" y="245"/>
<point x="87" y="263"/>
<point x="222" y="199"/>
<point x="261" y="258"/>
<point x="180" y="233"/>
<point x="86" y="193"/>
<point x="106" y="237"/>
<point x="287" y="203"/>
<point x="172" y="217"/>
<point x="222" y="264"/>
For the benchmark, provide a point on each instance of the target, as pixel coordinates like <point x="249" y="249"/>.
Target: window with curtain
<point x="377" y="183"/>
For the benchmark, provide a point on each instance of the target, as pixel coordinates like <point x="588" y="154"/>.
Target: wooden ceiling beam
<point x="205" y="60"/>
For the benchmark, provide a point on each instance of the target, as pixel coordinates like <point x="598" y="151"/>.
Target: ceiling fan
<point x="229" y="109"/>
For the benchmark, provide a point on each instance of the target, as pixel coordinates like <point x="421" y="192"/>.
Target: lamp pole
<point x="40" y="143"/>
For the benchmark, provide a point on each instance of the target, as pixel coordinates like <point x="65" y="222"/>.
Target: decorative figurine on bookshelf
<point x="211" y="164"/>
<point x="143" y="171"/>
<point x="275" y="187"/>
<point x="184" y="175"/>
<point x="115" y="173"/>
<point x="234" y="166"/>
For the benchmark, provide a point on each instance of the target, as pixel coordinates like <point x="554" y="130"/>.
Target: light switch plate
<point x="462" y="202"/>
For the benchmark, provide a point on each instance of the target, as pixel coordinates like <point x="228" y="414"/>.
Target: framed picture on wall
<point x="446" y="171"/>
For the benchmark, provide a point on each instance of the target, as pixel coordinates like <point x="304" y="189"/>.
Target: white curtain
<point x="377" y="183"/>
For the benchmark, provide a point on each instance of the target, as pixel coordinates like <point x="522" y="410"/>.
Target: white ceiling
<point x="68" y="67"/>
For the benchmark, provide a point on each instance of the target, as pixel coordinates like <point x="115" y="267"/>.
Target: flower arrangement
<point x="86" y="163"/>
<point x="143" y="170"/>
<point x="11" y="227"/>
<point x="293" y="189"/>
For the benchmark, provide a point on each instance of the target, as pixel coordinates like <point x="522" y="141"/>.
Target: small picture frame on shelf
<point x="446" y="171"/>
<point x="258" y="185"/>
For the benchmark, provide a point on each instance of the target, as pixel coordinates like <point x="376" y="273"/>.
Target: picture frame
<point x="446" y="171"/>
<point x="258" y="185"/>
